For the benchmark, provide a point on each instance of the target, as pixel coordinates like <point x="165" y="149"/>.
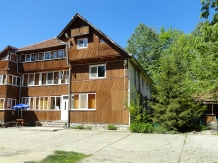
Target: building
<point x="82" y="76"/>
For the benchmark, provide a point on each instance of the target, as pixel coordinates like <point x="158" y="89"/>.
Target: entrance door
<point x="64" y="107"/>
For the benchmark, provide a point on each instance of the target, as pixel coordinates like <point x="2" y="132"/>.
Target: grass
<point x="216" y="133"/>
<point x="62" y="156"/>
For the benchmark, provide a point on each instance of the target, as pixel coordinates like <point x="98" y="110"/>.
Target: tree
<point x="204" y="67"/>
<point x="206" y="6"/>
<point x="143" y="46"/>
<point x="174" y="107"/>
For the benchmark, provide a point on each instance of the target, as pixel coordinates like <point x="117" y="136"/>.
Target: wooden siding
<point x="43" y="65"/>
<point x="100" y="117"/>
<point x="51" y="90"/>
<point x="2" y="115"/>
<point x="32" y="115"/>
<point x="4" y="64"/>
<point x="8" y="115"/>
<point x="113" y="70"/>
<point x="3" y="89"/>
<point x="13" y="92"/>
<point x="80" y="31"/>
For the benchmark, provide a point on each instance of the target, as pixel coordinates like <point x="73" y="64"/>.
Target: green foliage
<point x="62" y="156"/>
<point x="159" y="129"/>
<point x="140" y="127"/>
<point x="209" y="6"/>
<point x="80" y="127"/>
<point x="111" y="127"/>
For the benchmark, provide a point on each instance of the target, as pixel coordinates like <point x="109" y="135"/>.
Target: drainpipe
<point x="20" y="77"/>
<point x="69" y="97"/>
<point x="124" y="90"/>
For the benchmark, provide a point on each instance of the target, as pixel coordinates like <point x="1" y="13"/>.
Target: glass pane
<point x="76" y="101"/>
<point x="47" y="55"/>
<point x="64" y="77"/>
<point x="101" y="71"/>
<point x="36" y="79"/>
<point x="9" y="79"/>
<point x="85" y="41"/>
<point x="53" y="54"/>
<point x="93" y="72"/>
<point x="37" y="103"/>
<point x="58" y="99"/>
<point x="91" y="101"/>
<point x="4" y="79"/>
<point x="1" y="103"/>
<point x="41" y="56"/>
<point x="45" y="103"/>
<point x="25" y="79"/>
<point x="18" y="81"/>
<point x="56" y="77"/>
<point x="83" y="99"/>
<point x="14" y="79"/>
<point x="22" y="58"/>
<point x="50" y="78"/>
<point x="1" y="79"/>
<point x="52" y="103"/>
<point x="80" y="43"/>
<point x="31" y="79"/>
<point x="43" y="78"/>
<point x="28" y="57"/>
<point x="8" y="104"/>
<point x="60" y="53"/>
<point x="31" y="103"/>
<point x="33" y="57"/>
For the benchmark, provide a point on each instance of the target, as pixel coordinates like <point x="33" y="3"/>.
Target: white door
<point x="64" y="108"/>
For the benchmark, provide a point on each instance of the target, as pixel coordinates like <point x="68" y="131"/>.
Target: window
<point x="64" y="77"/>
<point x="2" y="103"/>
<point x="28" y="57"/>
<point x="41" y="56"/>
<point x="33" y="57"/>
<point x="9" y="79"/>
<point x="55" y="103"/>
<point x="53" y="54"/>
<point x="10" y="103"/>
<point x="22" y="58"/>
<point x="25" y="79"/>
<point x="31" y="79"/>
<point x="61" y="53"/>
<point x="49" y="78"/>
<point x="102" y="41"/>
<point x="83" y="101"/>
<point x="82" y="43"/>
<point x="13" y="57"/>
<point x="97" y="71"/>
<point x="42" y="103"/>
<point x="47" y="55"/>
<point x="142" y="82"/>
<point x="3" y="79"/>
<point x="29" y="101"/>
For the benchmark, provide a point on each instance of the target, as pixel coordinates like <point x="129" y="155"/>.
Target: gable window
<point x="102" y="41"/>
<point x="82" y="43"/>
<point x="97" y="71"/>
<point x="83" y="101"/>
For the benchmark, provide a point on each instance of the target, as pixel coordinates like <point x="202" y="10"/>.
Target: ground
<point x="21" y="144"/>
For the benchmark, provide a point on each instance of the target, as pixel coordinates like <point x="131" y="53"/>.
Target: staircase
<point x="55" y="124"/>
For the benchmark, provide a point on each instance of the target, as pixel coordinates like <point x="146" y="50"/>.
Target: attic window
<point x="82" y="43"/>
<point x="102" y="41"/>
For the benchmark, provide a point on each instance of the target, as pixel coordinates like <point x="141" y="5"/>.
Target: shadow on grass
<point x="62" y="156"/>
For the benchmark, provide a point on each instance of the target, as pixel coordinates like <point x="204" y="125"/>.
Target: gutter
<point x="20" y="77"/>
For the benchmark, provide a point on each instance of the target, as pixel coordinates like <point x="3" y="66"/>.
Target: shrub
<point x="111" y="127"/>
<point x="141" y="127"/>
<point x="160" y="130"/>
<point x="88" y="128"/>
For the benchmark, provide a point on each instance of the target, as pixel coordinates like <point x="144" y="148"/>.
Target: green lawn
<point x="62" y="156"/>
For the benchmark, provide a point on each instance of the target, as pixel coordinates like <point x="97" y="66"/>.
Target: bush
<point x="111" y="127"/>
<point x="160" y="130"/>
<point x="141" y="127"/>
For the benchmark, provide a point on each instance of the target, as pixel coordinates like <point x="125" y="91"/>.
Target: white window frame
<point x="26" y="58"/>
<point x="49" y="55"/>
<point x="63" y="54"/>
<point x="43" y="102"/>
<point x="87" y="101"/>
<point x="27" y="100"/>
<point x="82" y="39"/>
<point x="55" y="102"/>
<point x="11" y="103"/>
<point x="21" y="58"/>
<point x="91" y="66"/>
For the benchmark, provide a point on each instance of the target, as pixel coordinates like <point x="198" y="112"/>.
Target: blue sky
<point x="26" y="22"/>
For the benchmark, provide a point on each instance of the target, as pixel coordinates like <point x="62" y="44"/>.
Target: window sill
<point x="82" y="109"/>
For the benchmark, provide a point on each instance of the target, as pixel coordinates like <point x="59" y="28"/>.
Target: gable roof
<point x="8" y="47"/>
<point x="41" y="45"/>
<point x="79" y="16"/>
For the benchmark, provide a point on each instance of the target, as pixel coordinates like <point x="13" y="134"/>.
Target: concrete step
<point x="55" y="124"/>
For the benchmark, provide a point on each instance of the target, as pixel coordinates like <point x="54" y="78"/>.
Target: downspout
<point x="20" y="80"/>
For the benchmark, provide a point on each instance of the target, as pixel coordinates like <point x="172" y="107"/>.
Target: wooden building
<point x="82" y="76"/>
